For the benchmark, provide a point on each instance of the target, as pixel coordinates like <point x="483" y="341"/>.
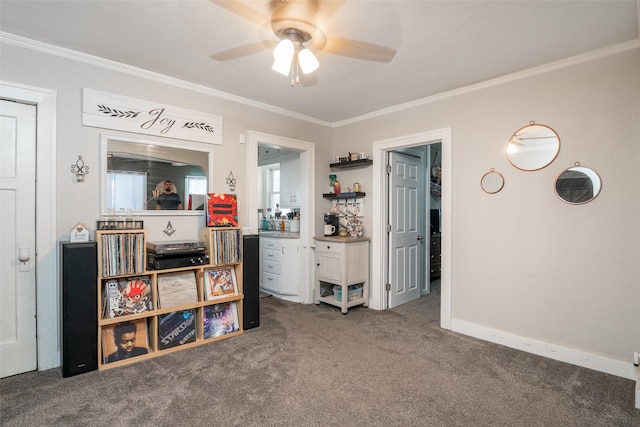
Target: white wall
<point x="524" y="264"/>
<point x="80" y="202"/>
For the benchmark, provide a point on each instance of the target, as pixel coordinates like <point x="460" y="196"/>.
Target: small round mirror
<point x="578" y="185"/>
<point x="492" y="181"/>
<point x="533" y="147"/>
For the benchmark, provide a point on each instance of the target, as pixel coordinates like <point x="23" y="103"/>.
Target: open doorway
<point x="413" y="188"/>
<point x="305" y="206"/>
<point x="382" y="205"/>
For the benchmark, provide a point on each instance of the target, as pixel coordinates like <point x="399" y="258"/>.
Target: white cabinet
<point x="279" y="264"/>
<point x="342" y="262"/>
<point x="290" y="181"/>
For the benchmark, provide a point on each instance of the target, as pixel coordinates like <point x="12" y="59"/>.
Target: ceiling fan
<point x="295" y="24"/>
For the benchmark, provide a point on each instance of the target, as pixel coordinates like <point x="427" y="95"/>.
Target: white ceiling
<point x="441" y="45"/>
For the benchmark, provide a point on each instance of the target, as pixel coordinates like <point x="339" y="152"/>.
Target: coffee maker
<point x="331" y="224"/>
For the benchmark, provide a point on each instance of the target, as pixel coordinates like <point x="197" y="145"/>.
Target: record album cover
<point x="124" y="340"/>
<point x="220" y="319"/>
<point x="176" y="328"/>
<point x="222" y="210"/>
<point x="177" y="289"/>
<point x="127" y="296"/>
<point x="220" y="282"/>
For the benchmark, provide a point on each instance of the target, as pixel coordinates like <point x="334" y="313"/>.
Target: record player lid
<point x="176" y="247"/>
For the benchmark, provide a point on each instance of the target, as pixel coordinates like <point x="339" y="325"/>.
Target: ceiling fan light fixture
<point x="308" y="61"/>
<point x="283" y="54"/>
<point x="282" y="66"/>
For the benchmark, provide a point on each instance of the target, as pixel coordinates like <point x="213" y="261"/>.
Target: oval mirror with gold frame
<point x="578" y="185"/>
<point x="533" y="147"/>
<point x="492" y="182"/>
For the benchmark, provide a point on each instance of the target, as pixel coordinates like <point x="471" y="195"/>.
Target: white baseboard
<point x="638" y="387"/>
<point x="552" y="351"/>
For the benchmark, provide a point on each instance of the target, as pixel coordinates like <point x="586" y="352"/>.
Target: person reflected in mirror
<point x="124" y="337"/>
<point x="169" y="198"/>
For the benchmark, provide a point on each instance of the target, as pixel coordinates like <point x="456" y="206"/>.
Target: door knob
<point x="419" y="237"/>
<point x="23" y="254"/>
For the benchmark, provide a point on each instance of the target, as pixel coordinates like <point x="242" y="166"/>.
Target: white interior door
<point x="405" y="239"/>
<point x="18" y="352"/>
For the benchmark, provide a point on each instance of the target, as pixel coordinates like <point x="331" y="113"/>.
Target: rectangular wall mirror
<point x="133" y="173"/>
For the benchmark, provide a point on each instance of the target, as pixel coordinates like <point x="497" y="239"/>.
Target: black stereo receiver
<point x="161" y="256"/>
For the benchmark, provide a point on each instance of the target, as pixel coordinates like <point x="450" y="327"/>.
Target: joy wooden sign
<point x="110" y="111"/>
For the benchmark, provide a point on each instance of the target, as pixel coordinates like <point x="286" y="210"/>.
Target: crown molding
<point x="563" y="63"/>
<point x="149" y="75"/>
<point x="161" y="78"/>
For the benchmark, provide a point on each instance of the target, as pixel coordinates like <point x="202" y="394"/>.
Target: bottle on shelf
<point x="336" y="187"/>
<point x="332" y="180"/>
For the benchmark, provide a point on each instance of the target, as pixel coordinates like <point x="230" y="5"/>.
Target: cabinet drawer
<point x="271" y="282"/>
<point x="271" y="267"/>
<point x="333" y="248"/>
<point x="434" y="270"/>
<point x="266" y="243"/>
<point x="271" y="255"/>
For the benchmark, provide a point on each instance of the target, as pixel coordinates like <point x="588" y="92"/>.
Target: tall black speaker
<point x="251" y="281"/>
<point x="79" y="320"/>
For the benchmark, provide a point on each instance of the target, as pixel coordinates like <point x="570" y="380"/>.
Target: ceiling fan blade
<point x="242" y="10"/>
<point x="329" y="7"/>
<point x="358" y="49"/>
<point x="245" y="50"/>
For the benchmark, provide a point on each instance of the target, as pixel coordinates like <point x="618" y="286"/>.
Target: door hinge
<point x="388" y="228"/>
<point x="387" y="287"/>
<point x="388" y="169"/>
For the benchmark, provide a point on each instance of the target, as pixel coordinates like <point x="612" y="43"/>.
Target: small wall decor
<point x="80" y="169"/>
<point x="533" y="147"/>
<point x="578" y="185"/>
<point x="231" y="181"/>
<point x="492" y="181"/>
<point x="169" y="230"/>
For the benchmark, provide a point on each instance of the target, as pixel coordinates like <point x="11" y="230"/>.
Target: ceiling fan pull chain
<point x="293" y="71"/>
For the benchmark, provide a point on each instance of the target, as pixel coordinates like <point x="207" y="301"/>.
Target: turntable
<point x="164" y="255"/>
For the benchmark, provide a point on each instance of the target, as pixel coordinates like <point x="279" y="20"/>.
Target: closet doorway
<point x="47" y="338"/>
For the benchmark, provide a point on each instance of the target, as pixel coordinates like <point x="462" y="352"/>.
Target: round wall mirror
<point x="492" y="181"/>
<point x="578" y="184"/>
<point x="533" y="147"/>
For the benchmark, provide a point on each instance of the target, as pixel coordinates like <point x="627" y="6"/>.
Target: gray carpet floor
<point x="310" y="365"/>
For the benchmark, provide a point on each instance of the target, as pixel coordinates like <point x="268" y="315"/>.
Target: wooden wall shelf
<point x="351" y="164"/>
<point x="340" y="196"/>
